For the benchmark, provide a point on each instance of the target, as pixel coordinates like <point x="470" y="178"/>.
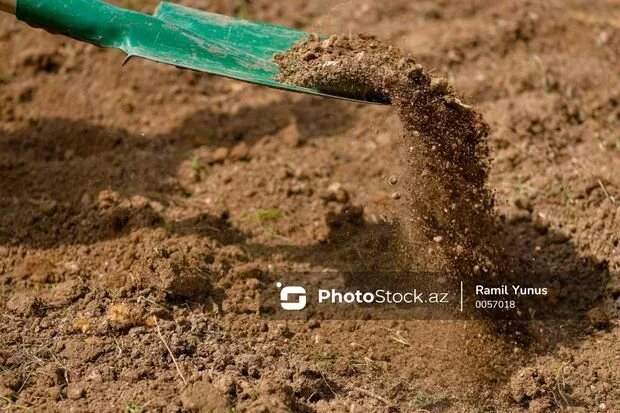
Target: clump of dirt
<point x="534" y="388"/>
<point x="174" y="273"/>
<point x="447" y="207"/>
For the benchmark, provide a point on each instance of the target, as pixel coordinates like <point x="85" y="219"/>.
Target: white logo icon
<point x="285" y="296"/>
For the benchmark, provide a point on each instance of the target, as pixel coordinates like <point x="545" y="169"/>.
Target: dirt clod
<point x="336" y="193"/>
<point x="220" y="155"/>
<point x="203" y="396"/>
<point x="24" y="305"/>
<point x="175" y="274"/>
<point x="76" y="391"/>
<point x="530" y="384"/>
<point x="240" y="152"/>
<point x="598" y="318"/>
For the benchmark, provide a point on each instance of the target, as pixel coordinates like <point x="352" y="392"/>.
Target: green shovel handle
<point x="91" y="21"/>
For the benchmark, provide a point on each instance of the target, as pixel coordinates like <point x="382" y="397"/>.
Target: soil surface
<point x="144" y="209"/>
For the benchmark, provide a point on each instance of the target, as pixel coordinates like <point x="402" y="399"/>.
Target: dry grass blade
<point x="12" y="405"/>
<point x="609" y="197"/>
<point x="398" y="337"/>
<point x="174" y="360"/>
<point x="373" y="395"/>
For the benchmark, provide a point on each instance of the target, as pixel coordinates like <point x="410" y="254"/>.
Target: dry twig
<point x="174" y="360"/>
<point x="374" y="396"/>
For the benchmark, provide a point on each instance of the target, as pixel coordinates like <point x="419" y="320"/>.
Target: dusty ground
<point x="142" y="210"/>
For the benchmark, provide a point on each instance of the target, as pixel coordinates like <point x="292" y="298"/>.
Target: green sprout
<point x="270" y="214"/>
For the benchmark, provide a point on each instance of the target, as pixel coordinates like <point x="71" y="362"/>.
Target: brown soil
<point x="143" y="210"/>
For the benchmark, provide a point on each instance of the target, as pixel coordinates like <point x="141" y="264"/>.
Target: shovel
<point x="175" y="35"/>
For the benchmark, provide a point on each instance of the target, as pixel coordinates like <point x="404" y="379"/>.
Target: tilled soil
<point x="143" y="209"/>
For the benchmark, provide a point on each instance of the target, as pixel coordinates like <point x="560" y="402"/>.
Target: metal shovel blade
<point x="237" y="48"/>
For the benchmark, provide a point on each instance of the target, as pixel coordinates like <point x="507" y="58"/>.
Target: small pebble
<point x="312" y="324"/>
<point x="240" y="152"/>
<point x="220" y="154"/>
<point x="598" y="318"/>
<point x="336" y="193"/>
<point x="524" y="204"/>
<point x="23" y="305"/>
<point x="75" y="391"/>
<point x="396" y="195"/>
<point x="393" y="180"/>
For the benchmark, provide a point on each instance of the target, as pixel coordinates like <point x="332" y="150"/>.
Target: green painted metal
<point x="175" y="35"/>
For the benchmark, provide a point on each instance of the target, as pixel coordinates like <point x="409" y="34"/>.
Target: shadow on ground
<point x="51" y="170"/>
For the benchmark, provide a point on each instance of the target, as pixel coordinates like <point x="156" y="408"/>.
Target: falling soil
<point x="447" y="209"/>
